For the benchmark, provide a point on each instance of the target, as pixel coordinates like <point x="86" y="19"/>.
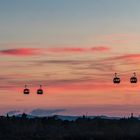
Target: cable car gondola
<point x="116" y="79"/>
<point x="26" y="90"/>
<point x="133" y="79"/>
<point x="40" y="90"/>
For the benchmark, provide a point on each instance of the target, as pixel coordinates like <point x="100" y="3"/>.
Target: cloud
<point x="120" y="38"/>
<point x="13" y="112"/>
<point x="100" y="49"/>
<point x="126" y="60"/>
<point x="78" y="49"/>
<point x="98" y="65"/>
<point x="46" y="112"/>
<point x="127" y="56"/>
<point x="64" y="49"/>
<point x="21" y="51"/>
<point x="81" y="74"/>
<point x="39" y="51"/>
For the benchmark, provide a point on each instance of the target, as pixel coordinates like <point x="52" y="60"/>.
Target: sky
<point x="72" y="48"/>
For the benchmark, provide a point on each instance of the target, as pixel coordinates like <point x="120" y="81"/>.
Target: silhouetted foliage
<point x="84" y="128"/>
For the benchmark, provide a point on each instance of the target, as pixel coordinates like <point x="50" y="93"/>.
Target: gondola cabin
<point x="116" y="79"/>
<point x="40" y="90"/>
<point x="133" y="79"/>
<point x="26" y="90"/>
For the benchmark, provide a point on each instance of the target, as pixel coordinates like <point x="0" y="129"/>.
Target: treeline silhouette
<point x="83" y="128"/>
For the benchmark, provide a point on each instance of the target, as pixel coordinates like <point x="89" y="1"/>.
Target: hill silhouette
<point x="83" y="128"/>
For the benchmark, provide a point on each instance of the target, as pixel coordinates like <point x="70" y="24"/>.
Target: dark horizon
<point x="53" y="128"/>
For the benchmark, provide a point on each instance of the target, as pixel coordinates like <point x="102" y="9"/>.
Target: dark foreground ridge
<point x="53" y="128"/>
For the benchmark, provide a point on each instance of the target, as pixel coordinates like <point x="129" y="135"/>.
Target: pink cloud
<point x="100" y="49"/>
<point x="126" y="57"/>
<point x="62" y="49"/>
<point x="121" y="38"/>
<point x="78" y="49"/>
<point x="21" y="52"/>
<point x="39" y="51"/>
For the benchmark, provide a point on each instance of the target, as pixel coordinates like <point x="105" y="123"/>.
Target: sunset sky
<point x="73" y="48"/>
